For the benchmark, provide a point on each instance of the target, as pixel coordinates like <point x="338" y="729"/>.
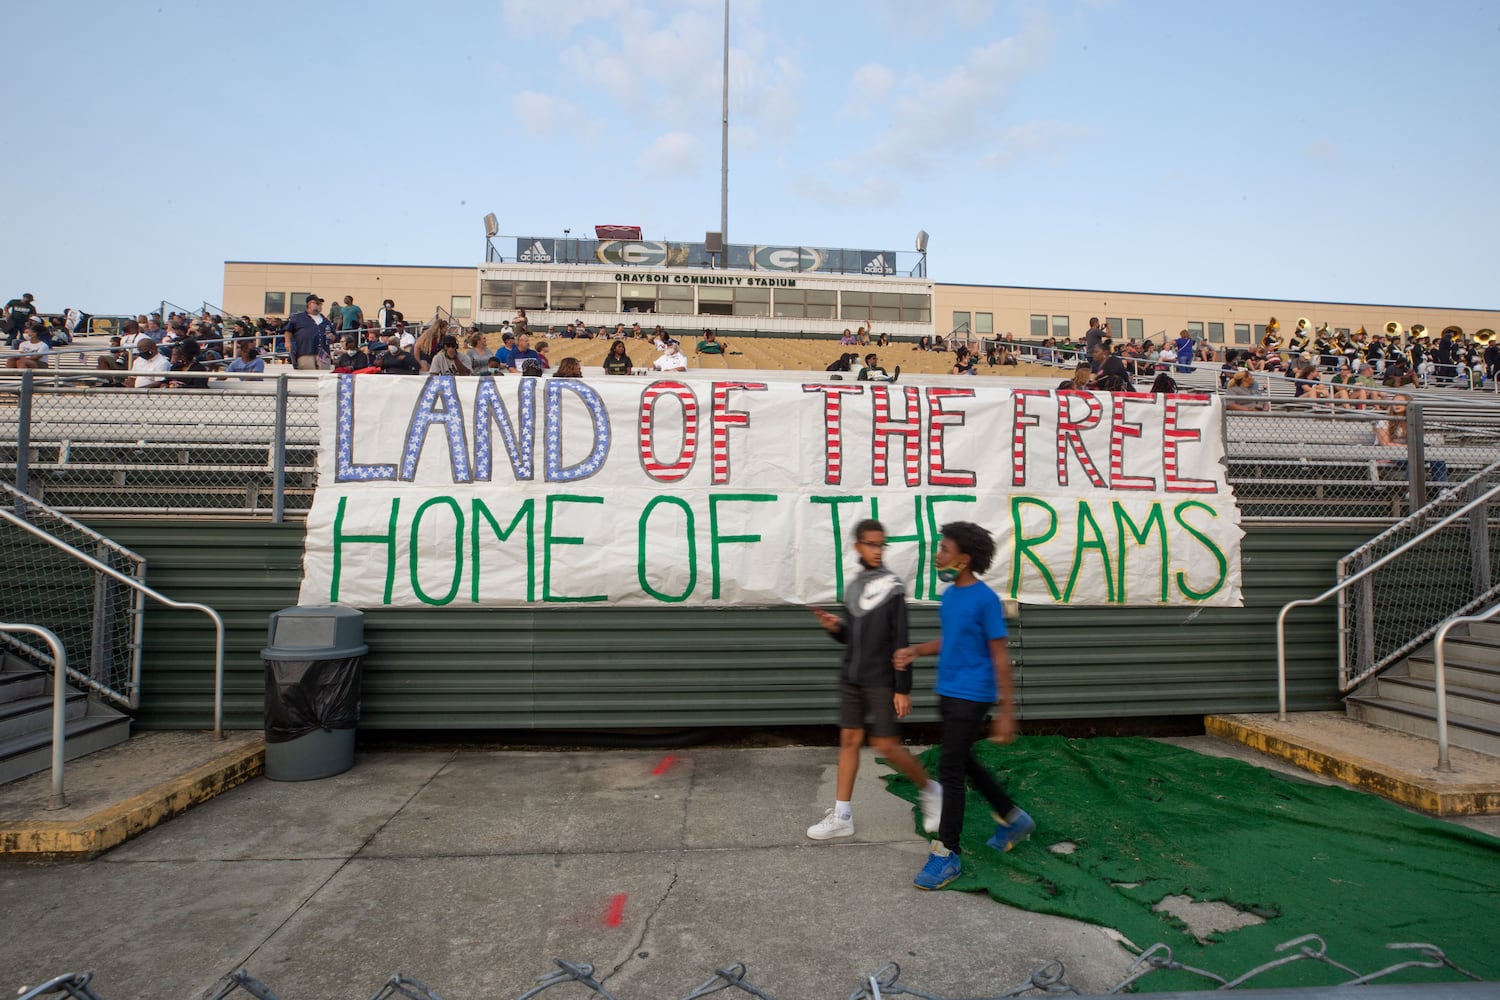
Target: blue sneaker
<point x="1008" y="835"/>
<point x="940" y="869"/>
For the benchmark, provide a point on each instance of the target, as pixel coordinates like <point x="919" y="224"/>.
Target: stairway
<point x="26" y="721"/>
<point x="1404" y="697"/>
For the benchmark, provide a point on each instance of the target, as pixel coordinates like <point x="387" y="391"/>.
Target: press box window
<point x="1216" y="333"/>
<point x="566" y="296"/>
<point x="601" y="297"/>
<point x="1060" y="326"/>
<point x="638" y="298"/>
<point x="1039" y="327"/>
<point x="1135" y="329"/>
<point x="916" y="308"/>
<point x="794" y="303"/>
<point x="299" y="301"/>
<point x="1116" y="327"/>
<point x="854" y="306"/>
<point x="984" y="323"/>
<point x="497" y="295"/>
<point x="1242" y="333"/>
<point x="531" y="294"/>
<point x="675" y="299"/>
<point x="1195" y="330"/>
<point x="961" y="322"/>
<point x="275" y="303"/>
<point x="462" y="306"/>
<point x="715" y="301"/>
<point x="752" y="302"/>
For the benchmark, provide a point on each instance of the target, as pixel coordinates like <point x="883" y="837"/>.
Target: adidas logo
<point x="878" y="265"/>
<point x="536" y="253"/>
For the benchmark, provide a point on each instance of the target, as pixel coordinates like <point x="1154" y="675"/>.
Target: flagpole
<point x="724" y="170"/>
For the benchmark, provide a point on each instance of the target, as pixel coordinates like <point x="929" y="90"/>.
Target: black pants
<point x="964" y="724"/>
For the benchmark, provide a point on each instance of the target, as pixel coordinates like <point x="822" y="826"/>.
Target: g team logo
<point x="633" y="252"/>
<point x="787" y="259"/>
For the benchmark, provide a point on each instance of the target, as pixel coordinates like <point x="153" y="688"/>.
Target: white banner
<point x="514" y="491"/>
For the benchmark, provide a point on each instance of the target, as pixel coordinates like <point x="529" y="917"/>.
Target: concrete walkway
<point x="472" y="871"/>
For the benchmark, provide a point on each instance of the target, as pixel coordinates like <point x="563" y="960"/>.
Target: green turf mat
<point x="1150" y="820"/>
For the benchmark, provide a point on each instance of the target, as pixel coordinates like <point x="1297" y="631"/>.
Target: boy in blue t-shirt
<point x="973" y="668"/>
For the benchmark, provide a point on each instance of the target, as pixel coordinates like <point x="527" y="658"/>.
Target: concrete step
<point x="1471" y="702"/>
<point x="33" y="752"/>
<point x="1469" y="648"/>
<point x="1488" y="630"/>
<point x="18" y="684"/>
<point x="1460" y="672"/>
<point x="1463" y="731"/>
<point x="28" y="715"/>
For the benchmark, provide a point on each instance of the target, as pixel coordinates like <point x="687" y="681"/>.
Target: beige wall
<point x="417" y="291"/>
<point x="1013" y="308"/>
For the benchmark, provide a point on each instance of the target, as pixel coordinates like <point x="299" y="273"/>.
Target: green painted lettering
<point x="1024" y="545"/>
<point x="716" y="539"/>
<point x="692" y="554"/>
<point x="1208" y="543"/>
<point x="388" y="540"/>
<point x="480" y="512"/>
<point x="549" y="540"/>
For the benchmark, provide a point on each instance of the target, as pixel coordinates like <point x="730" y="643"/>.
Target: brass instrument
<point x="1393" y="329"/>
<point x="1484" y="336"/>
<point x="1271" y="340"/>
<point x="1299" y="337"/>
<point x="1456" y="332"/>
<point x="1418" y="331"/>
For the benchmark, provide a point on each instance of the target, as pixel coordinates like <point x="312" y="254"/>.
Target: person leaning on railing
<point x="1242" y="394"/>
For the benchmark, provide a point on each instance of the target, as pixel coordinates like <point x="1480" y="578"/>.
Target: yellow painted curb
<point x="90" y="836"/>
<point x="1437" y="799"/>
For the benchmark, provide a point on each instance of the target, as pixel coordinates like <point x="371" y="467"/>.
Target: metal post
<point x="1416" y="457"/>
<point x="278" y="454"/>
<point x="1479" y="543"/>
<point x="23" y="433"/>
<point x="57" y="799"/>
<point x="724" y="168"/>
<point x="1440" y="691"/>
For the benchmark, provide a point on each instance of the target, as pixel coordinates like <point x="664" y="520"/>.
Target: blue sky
<point x="1331" y="150"/>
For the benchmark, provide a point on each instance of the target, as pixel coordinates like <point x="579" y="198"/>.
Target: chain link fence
<point x="1450" y="569"/>
<point x="97" y="618"/>
<point x="1050" y="978"/>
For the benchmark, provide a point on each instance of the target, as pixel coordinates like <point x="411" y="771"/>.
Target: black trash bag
<point x="303" y="696"/>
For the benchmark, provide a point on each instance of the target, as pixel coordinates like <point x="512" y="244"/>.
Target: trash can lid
<point x="316" y="628"/>
<point x="313" y="652"/>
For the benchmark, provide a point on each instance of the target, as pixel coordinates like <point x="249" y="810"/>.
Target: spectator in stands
<point x="1242" y="394"/>
<point x="307" y="335"/>
<point x="1343" y="384"/>
<point x="619" y="333"/>
<point x="506" y="349"/>
<point x="1109" y="370"/>
<point x="847" y="340"/>
<point x="1163" y="384"/>
<point x="660" y="339"/>
<point x="872" y="372"/>
<point x="447" y="360"/>
<point x="1082" y="373"/>
<point x="246" y="359"/>
<point x="569" y="368"/>
<point x="352" y="317"/>
<point x="1310" y="383"/>
<point x="711" y="344"/>
<point x="397" y="360"/>
<point x="429" y="343"/>
<point x="185" y="359"/>
<point x="541" y="353"/>
<point x="351" y="358"/>
<point x="617" y="362"/>
<point x="845" y="363"/>
<point x="478" y="355"/>
<point x="531" y="368"/>
<point x="387" y="316"/>
<point x="964" y="362"/>
<point x="671" y="360"/>
<point x="17" y="313"/>
<point x="1095" y="335"/>
<point x="884" y="340"/>
<point x="520" y="324"/>
<point x="117" y="358"/>
<point x="923" y="343"/>
<point x="1392" y="430"/>
<point x="149" y="366"/>
<point x="523" y="353"/>
<point x="1398" y="373"/>
<point x="1184" y="347"/>
<point x="33" y="349"/>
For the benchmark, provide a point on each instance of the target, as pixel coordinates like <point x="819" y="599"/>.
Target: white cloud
<point x="673" y="153"/>
<point x="1322" y="149"/>
<point x="870" y="86"/>
<point x="531" y="18"/>
<point x="1032" y="140"/>
<point x="871" y="191"/>
<point x="924" y="20"/>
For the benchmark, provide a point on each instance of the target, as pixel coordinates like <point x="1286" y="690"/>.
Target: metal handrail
<point x="1338" y="588"/>
<point x="1440" y="683"/>
<point x="136" y="585"/>
<point x="57" y="800"/>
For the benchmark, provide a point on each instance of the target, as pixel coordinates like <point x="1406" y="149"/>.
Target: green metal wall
<point x="591" y="667"/>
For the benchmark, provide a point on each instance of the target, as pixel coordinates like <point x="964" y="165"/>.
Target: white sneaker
<point x="931" y="797"/>
<point x="831" y="826"/>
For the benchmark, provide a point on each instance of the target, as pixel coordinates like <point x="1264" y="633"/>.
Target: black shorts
<point x="872" y="709"/>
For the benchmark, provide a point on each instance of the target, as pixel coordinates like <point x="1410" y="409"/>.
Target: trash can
<point x="312" y="691"/>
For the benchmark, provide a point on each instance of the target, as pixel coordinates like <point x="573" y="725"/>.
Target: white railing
<point x="1440" y="682"/>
